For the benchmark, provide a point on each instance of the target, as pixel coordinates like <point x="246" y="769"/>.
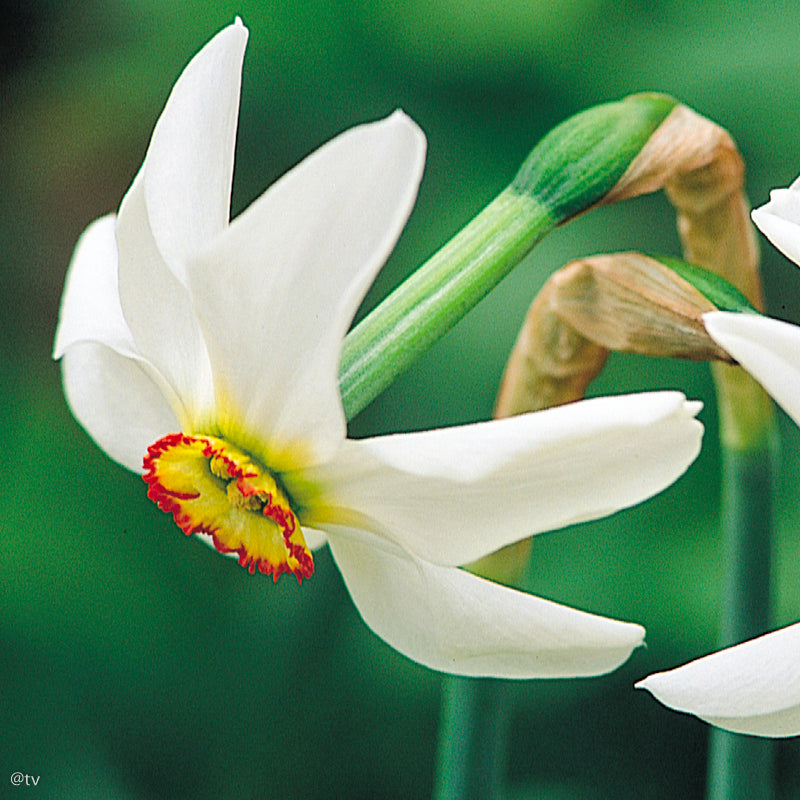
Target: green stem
<point x="434" y="298"/>
<point x="743" y="766"/>
<point x="573" y="168"/>
<point x="472" y="736"/>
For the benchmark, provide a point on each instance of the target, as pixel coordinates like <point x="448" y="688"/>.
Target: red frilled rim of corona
<point x="212" y="487"/>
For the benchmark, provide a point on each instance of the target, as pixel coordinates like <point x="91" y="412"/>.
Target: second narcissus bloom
<point x="753" y="687"/>
<point x="206" y="353"/>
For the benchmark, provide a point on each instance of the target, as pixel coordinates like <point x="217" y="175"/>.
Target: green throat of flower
<point x="212" y="487"/>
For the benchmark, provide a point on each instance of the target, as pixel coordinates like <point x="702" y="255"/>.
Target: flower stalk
<point x="573" y="168"/>
<point x="435" y="297"/>
<point x="473" y="733"/>
<point x="742" y="766"/>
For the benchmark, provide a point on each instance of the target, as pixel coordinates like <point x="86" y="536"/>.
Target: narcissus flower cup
<point x="205" y="353"/>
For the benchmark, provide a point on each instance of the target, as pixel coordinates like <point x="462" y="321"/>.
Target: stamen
<point x="211" y="487"/>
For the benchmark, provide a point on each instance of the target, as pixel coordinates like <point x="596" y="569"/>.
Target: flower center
<point x="211" y="487"/>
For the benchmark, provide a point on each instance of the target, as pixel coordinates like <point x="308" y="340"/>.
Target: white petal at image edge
<point x="779" y="220"/>
<point x="753" y="687"/>
<point x="188" y="169"/>
<point x="767" y="348"/>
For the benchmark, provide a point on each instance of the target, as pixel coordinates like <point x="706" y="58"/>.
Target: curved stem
<point x="435" y="297"/>
<point x="576" y="166"/>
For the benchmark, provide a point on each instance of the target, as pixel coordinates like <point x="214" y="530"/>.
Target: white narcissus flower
<point x="211" y="350"/>
<point x="753" y="687"/>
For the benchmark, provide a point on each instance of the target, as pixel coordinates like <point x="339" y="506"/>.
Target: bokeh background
<point x="135" y="663"/>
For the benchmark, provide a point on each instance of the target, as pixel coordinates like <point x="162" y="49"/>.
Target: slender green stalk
<point x="743" y="766"/>
<point x="434" y="298"/>
<point x="573" y="168"/>
<point x="472" y="737"/>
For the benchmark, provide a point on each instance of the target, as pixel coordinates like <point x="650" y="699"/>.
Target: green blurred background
<point x="139" y="664"/>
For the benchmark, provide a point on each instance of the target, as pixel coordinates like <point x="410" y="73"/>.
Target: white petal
<point x="767" y="348"/>
<point x="90" y="308"/>
<point x="180" y="199"/>
<point x="277" y="290"/>
<point x="113" y="392"/>
<point x="454" y="495"/>
<point x="159" y="313"/>
<point x="779" y="220"/>
<point x="753" y="687"/>
<point x="116" y="401"/>
<point x="189" y="164"/>
<point x="452" y="621"/>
